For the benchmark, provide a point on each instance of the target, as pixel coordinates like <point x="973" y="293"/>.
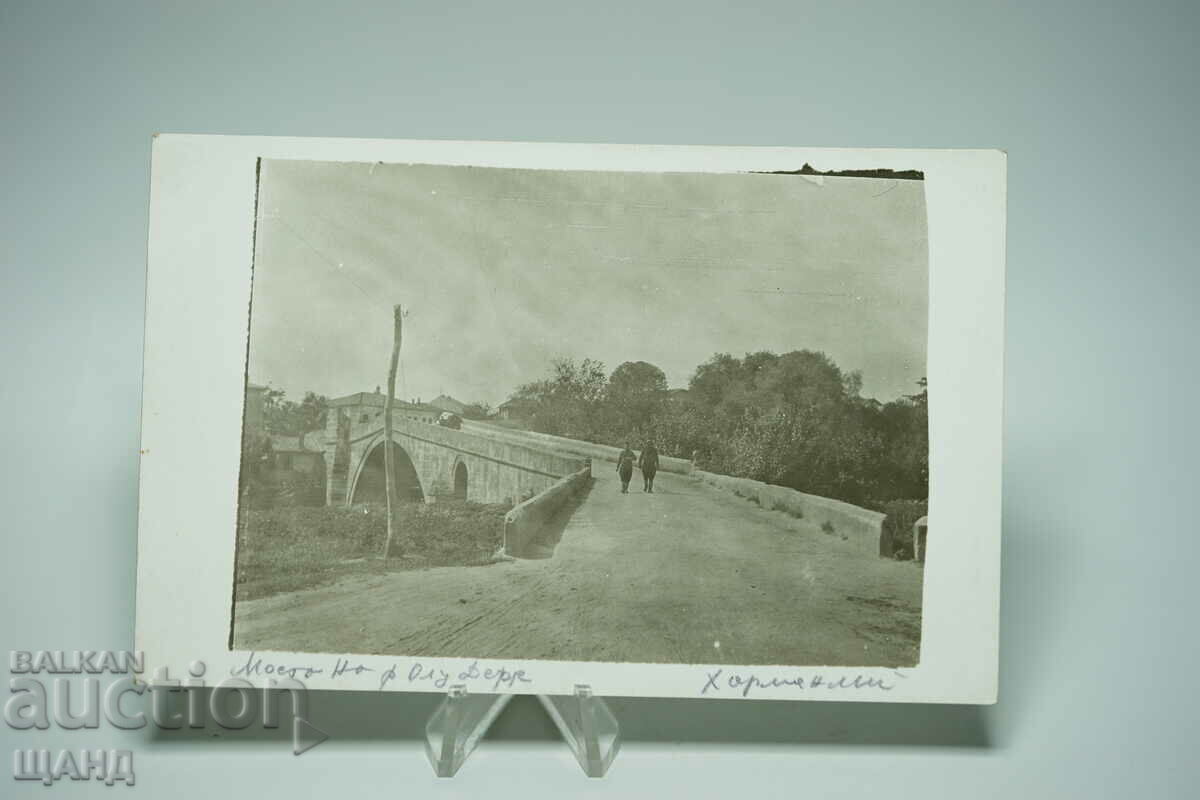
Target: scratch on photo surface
<point x="885" y="191"/>
<point x="796" y="292"/>
<point x="337" y="267"/>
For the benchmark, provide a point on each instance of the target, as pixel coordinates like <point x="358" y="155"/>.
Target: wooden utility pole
<point x="389" y="468"/>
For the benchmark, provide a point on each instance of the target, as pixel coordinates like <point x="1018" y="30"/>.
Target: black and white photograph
<point x="658" y="421"/>
<point x="513" y="400"/>
<point x="587" y="416"/>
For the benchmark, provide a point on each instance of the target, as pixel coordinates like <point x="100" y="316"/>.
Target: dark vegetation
<point x="265" y="486"/>
<point x="793" y="420"/>
<point x="901" y="174"/>
<point x="283" y="549"/>
<point x="263" y="483"/>
<point x="289" y="418"/>
<point x="898" y="526"/>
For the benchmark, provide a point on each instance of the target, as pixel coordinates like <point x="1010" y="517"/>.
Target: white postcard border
<point x="197" y="313"/>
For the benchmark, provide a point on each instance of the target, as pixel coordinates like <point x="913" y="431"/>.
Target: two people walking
<point x="647" y="462"/>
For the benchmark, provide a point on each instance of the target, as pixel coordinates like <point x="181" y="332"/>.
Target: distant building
<point x="301" y="453"/>
<point x="364" y="407"/>
<point x="447" y="403"/>
<point x="516" y="409"/>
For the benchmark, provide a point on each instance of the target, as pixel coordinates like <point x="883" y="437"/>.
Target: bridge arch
<point x="498" y="467"/>
<point x="369" y="485"/>
<point x="459" y="479"/>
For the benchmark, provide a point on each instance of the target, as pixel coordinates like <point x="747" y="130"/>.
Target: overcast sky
<point x="502" y="270"/>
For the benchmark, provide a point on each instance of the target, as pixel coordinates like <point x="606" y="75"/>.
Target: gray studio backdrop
<point x="1096" y="106"/>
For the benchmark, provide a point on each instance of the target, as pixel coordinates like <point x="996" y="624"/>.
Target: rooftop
<point x="448" y="403"/>
<point x="376" y="399"/>
<point x="291" y="444"/>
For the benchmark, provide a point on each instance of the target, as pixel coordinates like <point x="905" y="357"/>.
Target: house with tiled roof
<point x="362" y="407"/>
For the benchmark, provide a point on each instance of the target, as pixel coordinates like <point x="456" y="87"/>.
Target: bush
<point x="827" y="527"/>
<point x="267" y="488"/>
<point x="300" y="489"/>
<point x="898" y="525"/>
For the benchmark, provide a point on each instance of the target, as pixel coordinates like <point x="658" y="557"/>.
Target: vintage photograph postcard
<point x="664" y="421"/>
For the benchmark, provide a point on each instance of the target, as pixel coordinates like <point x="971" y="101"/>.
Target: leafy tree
<point x="714" y="378"/>
<point x="907" y="452"/>
<point x="570" y="401"/>
<point x="637" y="392"/>
<point x="793" y="419"/>
<point x="797" y="420"/>
<point x="287" y="418"/>
<point x="312" y="412"/>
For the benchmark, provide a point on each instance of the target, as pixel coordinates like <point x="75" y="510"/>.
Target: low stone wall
<point x="527" y="522"/>
<point x="860" y="526"/>
<point x="591" y="450"/>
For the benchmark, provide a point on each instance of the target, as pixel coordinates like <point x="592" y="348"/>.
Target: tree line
<point x="285" y="417"/>
<point x="793" y="419"/>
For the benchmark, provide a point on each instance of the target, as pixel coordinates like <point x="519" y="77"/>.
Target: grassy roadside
<point x="286" y="549"/>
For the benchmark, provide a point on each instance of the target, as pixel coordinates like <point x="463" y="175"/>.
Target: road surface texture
<point x="688" y="574"/>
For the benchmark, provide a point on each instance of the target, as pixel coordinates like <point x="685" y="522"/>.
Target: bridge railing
<point x="529" y="521"/>
<point x="577" y="447"/>
<point x="860" y="526"/>
<point x="539" y="457"/>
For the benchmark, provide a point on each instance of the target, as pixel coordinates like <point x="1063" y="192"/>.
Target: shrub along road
<point x="688" y="574"/>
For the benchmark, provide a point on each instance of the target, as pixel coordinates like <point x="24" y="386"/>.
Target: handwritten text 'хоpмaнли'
<point x="718" y="680"/>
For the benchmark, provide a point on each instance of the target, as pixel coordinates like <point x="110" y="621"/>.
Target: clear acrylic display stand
<point x="584" y="720"/>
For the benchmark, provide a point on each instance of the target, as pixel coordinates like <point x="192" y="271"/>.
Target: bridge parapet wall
<point x="551" y="461"/>
<point x="861" y="526"/>
<point x="530" y="520"/>
<point x="577" y="447"/>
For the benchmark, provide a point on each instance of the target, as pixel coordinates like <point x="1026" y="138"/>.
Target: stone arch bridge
<point x="433" y="461"/>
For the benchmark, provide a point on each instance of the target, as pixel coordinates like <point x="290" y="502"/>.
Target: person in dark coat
<point x="625" y="467"/>
<point x="648" y="464"/>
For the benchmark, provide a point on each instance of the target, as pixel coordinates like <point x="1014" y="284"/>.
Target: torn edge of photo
<point x="665" y="421"/>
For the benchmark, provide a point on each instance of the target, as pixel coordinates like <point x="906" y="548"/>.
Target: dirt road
<point x="688" y="574"/>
